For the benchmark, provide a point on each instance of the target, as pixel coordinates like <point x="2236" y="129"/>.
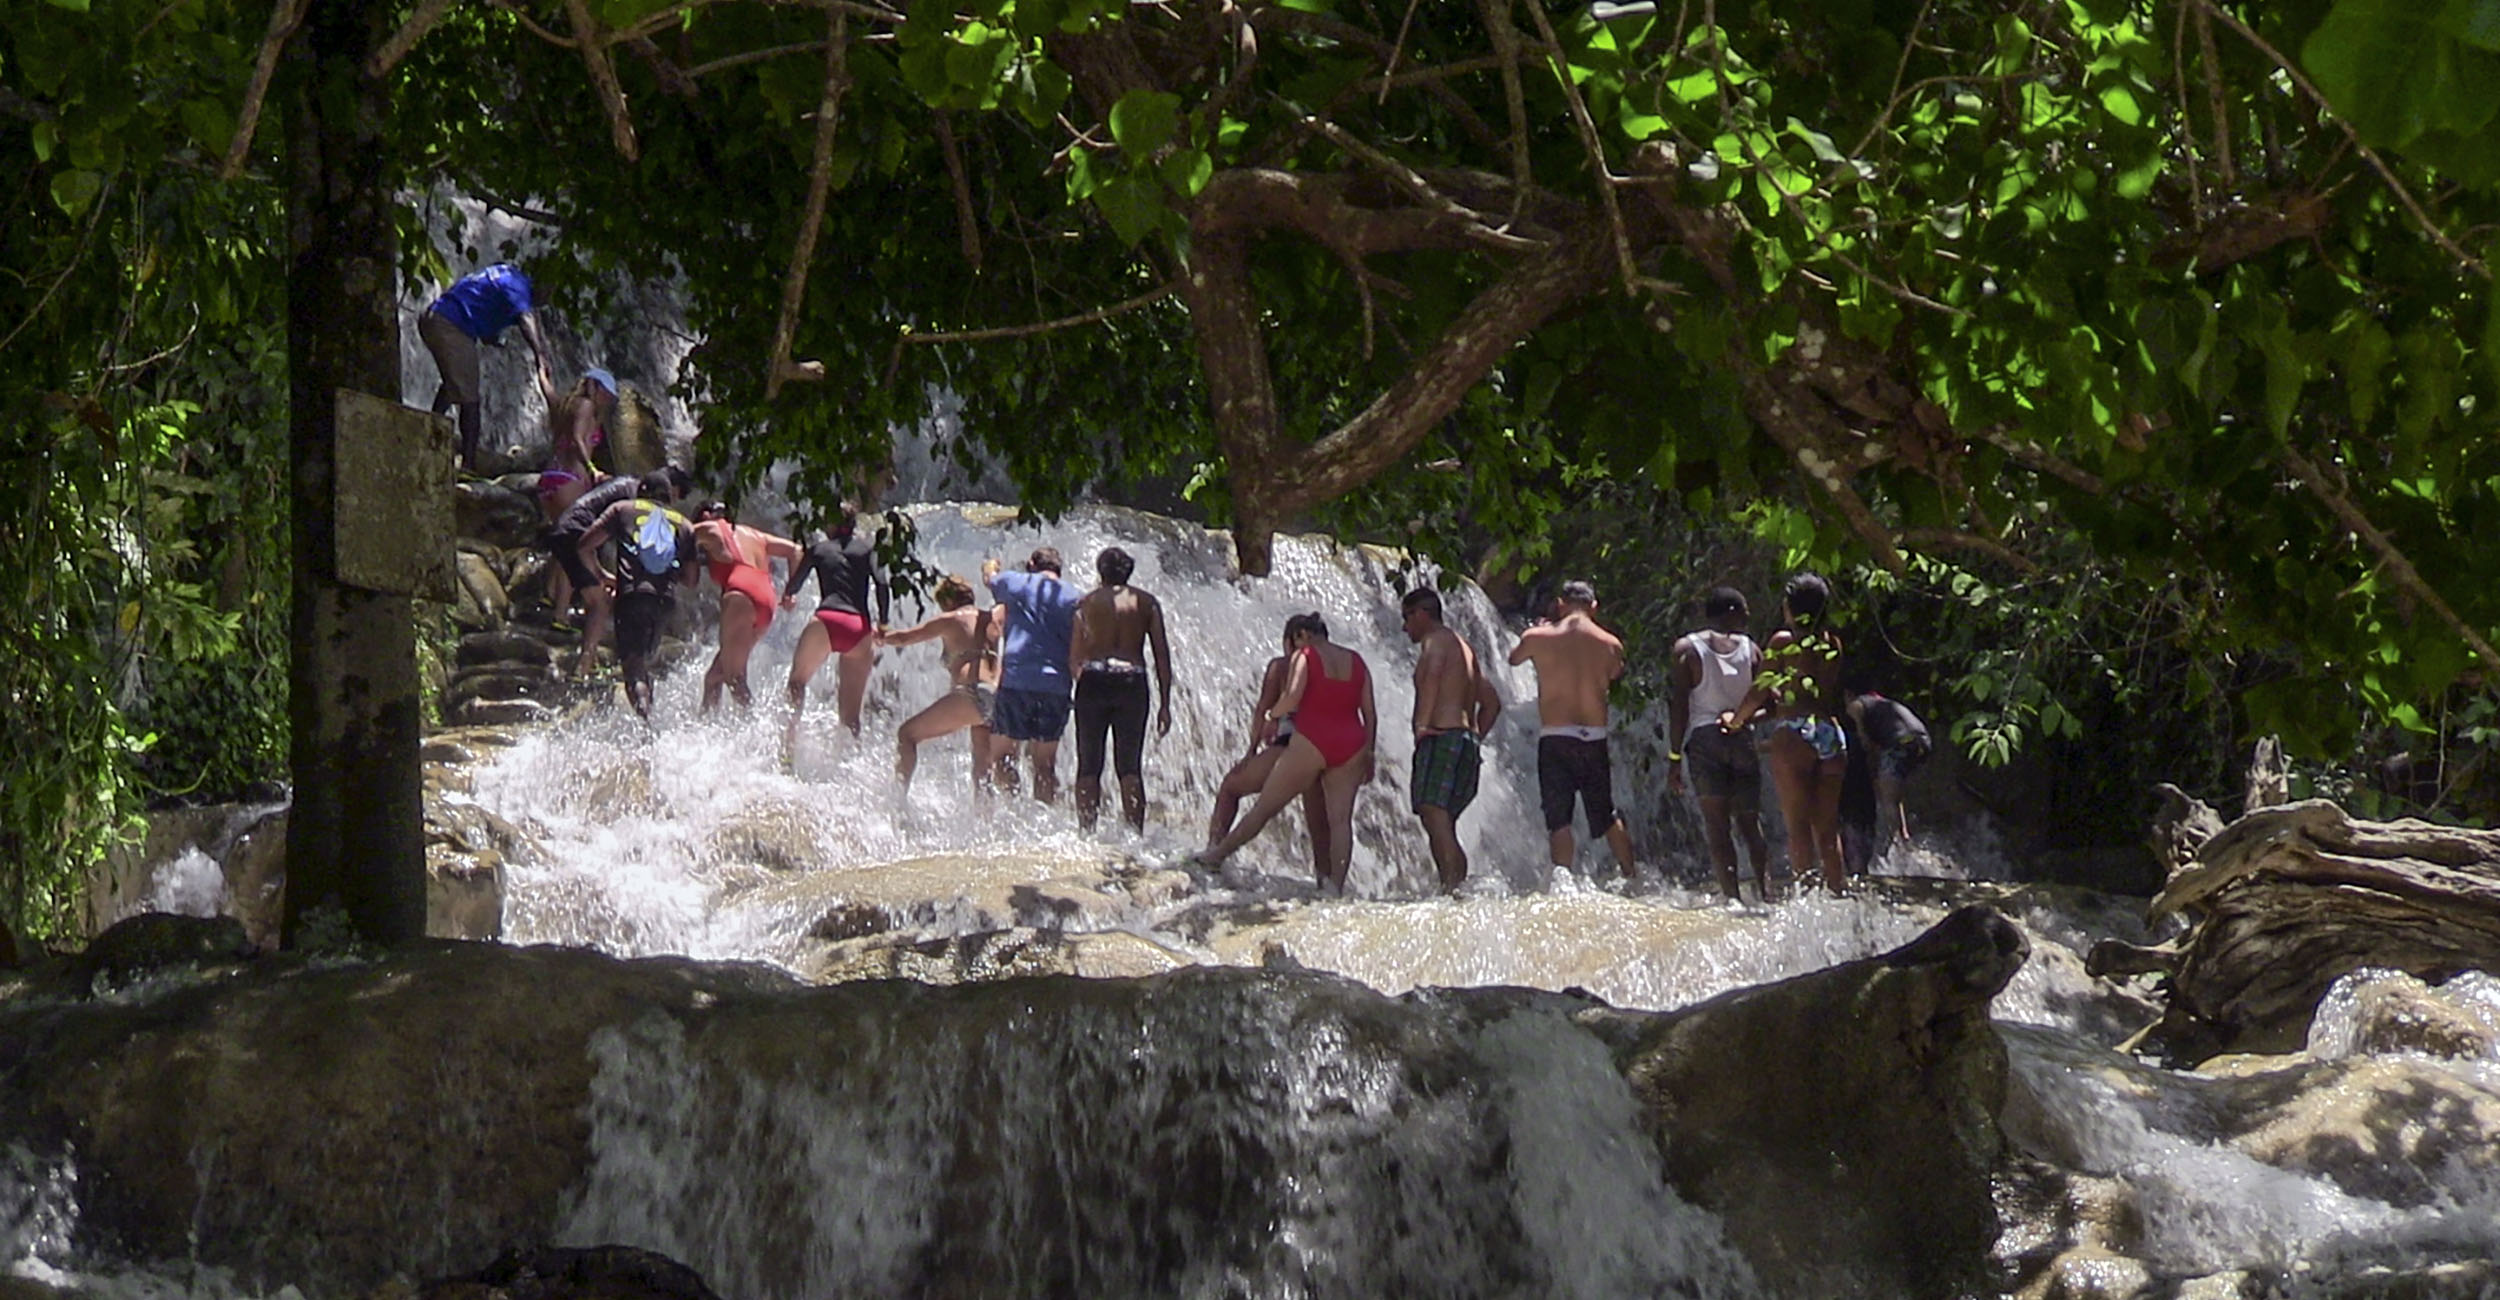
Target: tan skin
<point x="570" y="420"/>
<point x="1800" y="679"/>
<point x="1451" y="694"/>
<point x="1576" y="661"/>
<point x="1117" y="621"/>
<point x="969" y="639"/>
<point x="850" y="675"/>
<point x="1721" y="820"/>
<point x="739" y="619"/>
<point x="1302" y="763"/>
<point x="1250" y="775"/>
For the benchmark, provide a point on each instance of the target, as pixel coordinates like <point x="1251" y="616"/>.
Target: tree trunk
<point x="356" y="839"/>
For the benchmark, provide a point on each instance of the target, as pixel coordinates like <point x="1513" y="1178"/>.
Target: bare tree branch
<point x="1480" y="227"/>
<point x="2401" y="568"/>
<point x="420" y="22"/>
<point x="728" y="61"/>
<point x="1589" y="141"/>
<point x="560" y="42"/>
<point x="603" y="76"/>
<point x="283" y="20"/>
<point x="2038" y="459"/>
<point x="967" y="226"/>
<point x="1506" y="50"/>
<point x="819" y="184"/>
<point x="1932" y="539"/>
<point x="1122" y="307"/>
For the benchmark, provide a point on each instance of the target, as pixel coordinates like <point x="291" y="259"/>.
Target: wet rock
<point x="533" y="578"/>
<point x="991" y="955"/>
<point x="2398" y="1013"/>
<point x="503" y="713"/>
<point x="464" y="892"/>
<point x="478" y="737"/>
<point x="445" y="751"/>
<point x="634" y="439"/>
<point x="1905" y="1036"/>
<point x="154" y="942"/>
<point x="501" y="682"/>
<point x="780" y="835"/>
<point x="2089" y="1274"/>
<point x="567" y="1273"/>
<point x="481" y="603"/>
<point x="255" y="871"/>
<point x="2292" y="898"/>
<point x="442" y="779"/>
<point x="2395" y="1129"/>
<point x="503" y="647"/>
<point x="496" y="515"/>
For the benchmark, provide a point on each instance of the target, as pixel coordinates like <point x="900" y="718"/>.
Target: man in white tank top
<point x="1713" y="670"/>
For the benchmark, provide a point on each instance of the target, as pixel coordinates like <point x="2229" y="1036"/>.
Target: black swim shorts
<point x="1029" y="715"/>
<point x="639" y="621"/>
<point x="1723" y="766"/>
<point x="1117" y="703"/>
<point x="1568" y="768"/>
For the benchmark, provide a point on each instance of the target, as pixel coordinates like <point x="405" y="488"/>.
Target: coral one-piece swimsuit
<point x="735" y="574"/>
<point x="1331" y="710"/>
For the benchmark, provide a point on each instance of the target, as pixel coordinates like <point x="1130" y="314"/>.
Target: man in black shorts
<point x="1107" y="642"/>
<point x="1576" y="661"/>
<point x="564" y="542"/>
<point x="1710" y="674"/>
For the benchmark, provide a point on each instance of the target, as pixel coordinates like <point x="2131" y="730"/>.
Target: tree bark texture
<point x="356" y="842"/>
<point x="2292" y="898"/>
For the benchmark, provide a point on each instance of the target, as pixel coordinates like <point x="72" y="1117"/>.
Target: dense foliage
<point x="2030" y="307"/>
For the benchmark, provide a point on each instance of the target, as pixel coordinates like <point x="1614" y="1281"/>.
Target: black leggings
<point x="1117" y="703"/>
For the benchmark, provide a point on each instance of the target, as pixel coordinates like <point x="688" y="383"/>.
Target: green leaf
<point x="2119" y="102"/>
<point x="45" y="136"/>
<point x="1133" y="206"/>
<point x="1187" y="171"/>
<point x="1145" y="121"/>
<point x="74" y="190"/>
<point x="2475" y="22"/>
<point x="74" y="6"/>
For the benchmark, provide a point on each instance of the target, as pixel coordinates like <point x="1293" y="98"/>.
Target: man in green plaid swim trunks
<point x="1454" y="706"/>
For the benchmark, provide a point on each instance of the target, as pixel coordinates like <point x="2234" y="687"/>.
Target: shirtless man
<point x="1107" y="657"/>
<point x="1713" y="669"/>
<point x="969" y="639"/>
<point x="1576" y="660"/>
<point x="1454" y="706"/>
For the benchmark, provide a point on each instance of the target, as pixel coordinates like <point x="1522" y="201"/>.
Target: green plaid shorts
<point x="1445" y="771"/>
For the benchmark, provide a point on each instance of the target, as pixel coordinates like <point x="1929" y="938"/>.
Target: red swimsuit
<point x="735" y="574"/>
<point x="1331" y="710"/>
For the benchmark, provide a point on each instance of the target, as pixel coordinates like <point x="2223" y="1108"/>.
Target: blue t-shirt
<point x="486" y="303"/>
<point x="1041" y="616"/>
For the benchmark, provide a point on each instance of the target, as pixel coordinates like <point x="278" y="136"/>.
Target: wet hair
<point x="845" y="520"/>
<point x="1723" y="601"/>
<point x="1806" y="596"/>
<point x="712" y="510"/>
<point x="1044" y="558"/>
<point x="678" y="479"/>
<point x="1113" y="566"/>
<point x="954" y="591"/>
<point x="1578" y="592"/>
<point x="658" y="485"/>
<point x="1423" y="598"/>
<point x="1311" y="623"/>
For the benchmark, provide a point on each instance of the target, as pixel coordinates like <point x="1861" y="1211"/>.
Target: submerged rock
<point x="561" y="1273"/>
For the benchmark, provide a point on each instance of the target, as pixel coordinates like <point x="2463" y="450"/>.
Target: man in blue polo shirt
<point x="1033" y="682"/>
<point x="478" y="308"/>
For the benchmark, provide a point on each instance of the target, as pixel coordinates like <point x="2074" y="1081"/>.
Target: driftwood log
<point x="2289" y="899"/>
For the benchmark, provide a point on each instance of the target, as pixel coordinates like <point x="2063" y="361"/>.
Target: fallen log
<point x="2289" y="899"/>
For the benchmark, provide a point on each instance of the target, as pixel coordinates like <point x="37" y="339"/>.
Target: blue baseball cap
<point x="602" y="378"/>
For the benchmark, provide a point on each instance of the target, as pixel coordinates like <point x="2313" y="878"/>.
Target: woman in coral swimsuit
<point x="1328" y="694"/>
<point x="741" y="560"/>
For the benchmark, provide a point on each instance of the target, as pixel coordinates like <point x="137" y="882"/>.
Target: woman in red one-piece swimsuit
<point x="1329" y="697"/>
<point x="741" y="560"/>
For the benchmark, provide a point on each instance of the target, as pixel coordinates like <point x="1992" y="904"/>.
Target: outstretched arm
<point x="923" y="632"/>
<point x="1080" y="640"/>
<point x="799" y="569"/>
<point x="538" y="352"/>
<point x="1522" y="650"/>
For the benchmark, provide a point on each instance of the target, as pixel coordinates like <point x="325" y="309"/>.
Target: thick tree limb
<point x="2032" y="456"/>
<point x="420" y="22"/>
<point x="819" y="185"/>
<point x="283" y="20"/>
<point x="1478" y="227"/>
<point x="2398" y="566"/>
<point x="1243" y="199"/>
<point x="603" y="78"/>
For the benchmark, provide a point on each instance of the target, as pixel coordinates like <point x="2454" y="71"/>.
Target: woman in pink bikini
<point x="741" y="562"/>
<point x="1328" y="694"/>
<point x="577" y="425"/>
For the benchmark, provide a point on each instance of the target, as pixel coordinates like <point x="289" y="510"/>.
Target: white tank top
<point x="1724" y="677"/>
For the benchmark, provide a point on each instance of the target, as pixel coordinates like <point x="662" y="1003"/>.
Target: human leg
<point x="729" y="662"/>
<point x="1793" y="764"/>
<point x="1718" y="831"/>
<point x="1338" y="786"/>
<point x="815" y="646"/>
<point x="638" y="624"/>
<point x="1449" y="857"/>
<point x="952" y="712"/>
<point x="1128" y="749"/>
<point x="1291" y="775"/>
<point x="1555" y="791"/>
<point x="1046" y="770"/>
<point x="851" y="681"/>
<point x="1823" y="813"/>
<point x="1093" y="707"/>
<point x="1239" y="784"/>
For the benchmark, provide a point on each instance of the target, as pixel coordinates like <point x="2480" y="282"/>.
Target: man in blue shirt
<point x="1033" y="682"/>
<point x="478" y="308"/>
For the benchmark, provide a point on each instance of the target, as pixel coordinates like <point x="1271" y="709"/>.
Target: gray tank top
<point x="1724" y="677"/>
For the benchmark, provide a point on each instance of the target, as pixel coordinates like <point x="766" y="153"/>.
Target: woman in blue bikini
<point x="1799" y="686"/>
